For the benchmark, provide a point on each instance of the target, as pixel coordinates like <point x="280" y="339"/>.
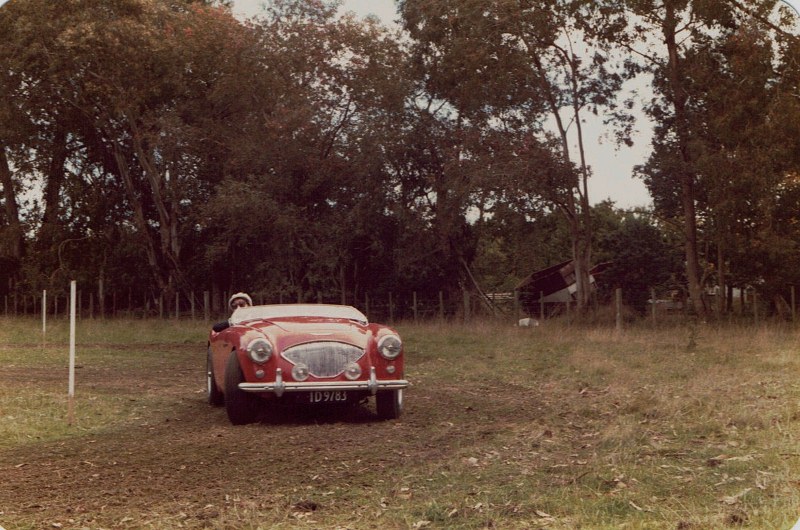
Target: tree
<point x="311" y="156"/>
<point x="688" y="33"/>
<point x="641" y="259"/>
<point x="123" y="88"/>
<point x="500" y="65"/>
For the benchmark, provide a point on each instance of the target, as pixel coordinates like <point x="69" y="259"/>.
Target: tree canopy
<point x="166" y="147"/>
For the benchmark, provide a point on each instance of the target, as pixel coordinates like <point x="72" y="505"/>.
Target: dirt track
<point x="180" y="460"/>
<point x="514" y="435"/>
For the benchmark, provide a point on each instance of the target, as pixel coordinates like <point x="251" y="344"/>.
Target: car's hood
<point x="287" y="333"/>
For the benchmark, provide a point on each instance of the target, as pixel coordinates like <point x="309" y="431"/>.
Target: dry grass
<point x="559" y="426"/>
<point x="681" y="427"/>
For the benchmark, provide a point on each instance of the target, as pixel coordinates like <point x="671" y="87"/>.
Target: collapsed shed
<point x="553" y="287"/>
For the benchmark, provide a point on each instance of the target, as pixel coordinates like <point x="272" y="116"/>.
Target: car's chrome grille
<point x="324" y="359"/>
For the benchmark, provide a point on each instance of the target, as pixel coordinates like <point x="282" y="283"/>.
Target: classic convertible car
<point x="313" y="354"/>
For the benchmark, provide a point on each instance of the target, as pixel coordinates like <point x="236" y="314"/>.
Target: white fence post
<point x="71" y="389"/>
<point x="44" y="315"/>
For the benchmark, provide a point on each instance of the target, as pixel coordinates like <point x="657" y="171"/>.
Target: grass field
<point x="551" y="427"/>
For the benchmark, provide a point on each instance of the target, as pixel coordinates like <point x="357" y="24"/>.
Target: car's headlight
<point x="390" y="346"/>
<point x="259" y="350"/>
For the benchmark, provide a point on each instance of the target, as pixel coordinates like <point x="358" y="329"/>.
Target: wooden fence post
<point x="755" y="307"/>
<point x="618" y="297"/>
<point x="44" y="317"/>
<point x="541" y="306"/>
<point x="653" y="303"/>
<point x="742" y="301"/>
<point x="101" y="299"/>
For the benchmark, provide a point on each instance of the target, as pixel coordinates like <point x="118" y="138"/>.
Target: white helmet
<point x="242" y="296"/>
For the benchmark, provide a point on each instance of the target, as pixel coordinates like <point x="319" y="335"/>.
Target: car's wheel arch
<point x="215" y="394"/>
<point x="240" y="406"/>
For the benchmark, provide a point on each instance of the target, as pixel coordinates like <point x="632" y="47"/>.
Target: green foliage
<point x="167" y="147"/>
<point x="512" y="246"/>
<point x="641" y="260"/>
<point x="719" y="144"/>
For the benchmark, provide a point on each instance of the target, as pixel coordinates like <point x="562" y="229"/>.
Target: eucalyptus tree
<point x="43" y="155"/>
<point x="737" y="149"/>
<point x="711" y="82"/>
<point x="120" y="91"/>
<point x="33" y="139"/>
<point x="524" y="68"/>
<point x="312" y="139"/>
<point x="714" y="86"/>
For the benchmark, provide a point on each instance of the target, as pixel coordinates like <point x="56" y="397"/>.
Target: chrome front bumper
<point x="279" y="386"/>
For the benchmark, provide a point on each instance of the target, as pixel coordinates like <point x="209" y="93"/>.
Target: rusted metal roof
<point x="556" y="283"/>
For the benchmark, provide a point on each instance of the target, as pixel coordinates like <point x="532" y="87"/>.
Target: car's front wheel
<point x="215" y="395"/>
<point x="240" y="406"/>
<point x="389" y="404"/>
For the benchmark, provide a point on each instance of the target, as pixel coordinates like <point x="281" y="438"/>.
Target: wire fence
<point x="524" y="308"/>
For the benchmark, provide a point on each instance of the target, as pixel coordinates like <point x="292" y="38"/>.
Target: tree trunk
<point x="164" y="205"/>
<point x="677" y="95"/>
<point x="15" y="245"/>
<point x="139" y="218"/>
<point x="52" y="191"/>
<point x="576" y="211"/>
<point x="583" y="242"/>
<point x="582" y="255"/>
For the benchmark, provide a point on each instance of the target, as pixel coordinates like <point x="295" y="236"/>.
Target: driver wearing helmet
<point x="240" y="300"/>
<point x="234" y="302"/>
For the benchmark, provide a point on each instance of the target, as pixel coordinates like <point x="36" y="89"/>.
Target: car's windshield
<point x="267" y="312"/>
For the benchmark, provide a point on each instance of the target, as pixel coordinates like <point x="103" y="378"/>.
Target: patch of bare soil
<point x="186" y="461"/>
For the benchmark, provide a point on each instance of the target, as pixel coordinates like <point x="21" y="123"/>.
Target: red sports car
<point x="303" y="354"/>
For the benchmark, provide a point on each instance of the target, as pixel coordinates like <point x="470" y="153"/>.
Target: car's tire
<point x="240" y="406"/>
<point x="389" y="404"/>
<point x="215" y="395"/>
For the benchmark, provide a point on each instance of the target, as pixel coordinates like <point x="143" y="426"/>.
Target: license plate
<point x="327" y="396"/>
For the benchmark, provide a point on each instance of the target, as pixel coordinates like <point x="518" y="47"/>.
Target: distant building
<point x="553" y="286"/>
